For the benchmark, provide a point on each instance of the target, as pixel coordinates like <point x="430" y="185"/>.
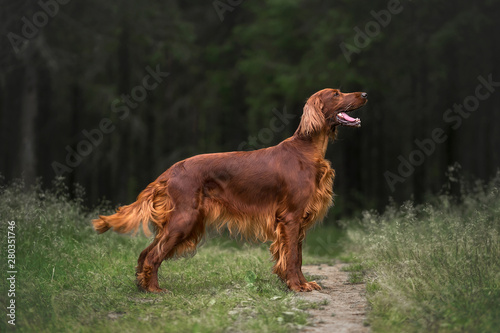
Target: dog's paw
<point x="314" y="285"/>
<point x="303" y="287"/>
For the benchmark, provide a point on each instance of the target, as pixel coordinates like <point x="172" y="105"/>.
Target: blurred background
<point x="109" y="94"/>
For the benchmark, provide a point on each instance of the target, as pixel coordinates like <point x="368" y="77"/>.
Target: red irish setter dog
<point x="272" y="194"/>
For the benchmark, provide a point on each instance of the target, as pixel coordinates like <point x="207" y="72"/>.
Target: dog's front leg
<point x="303" y="281"/>
<point x="287" y="251"/>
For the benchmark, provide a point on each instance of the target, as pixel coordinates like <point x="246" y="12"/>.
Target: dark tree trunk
<point x="29" y="111"/>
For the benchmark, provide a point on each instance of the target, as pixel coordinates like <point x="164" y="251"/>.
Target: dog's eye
<point x="336" y="93"/>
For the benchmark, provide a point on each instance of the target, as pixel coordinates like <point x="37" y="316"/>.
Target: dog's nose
<point x="364" y="95"/>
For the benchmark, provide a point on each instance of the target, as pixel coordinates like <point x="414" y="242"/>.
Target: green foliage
<point x="434" y="267"/>
<point x="324" y="243"/>
<point x="356" y="273"/>
<point x="431" y="267"/>
<point x="227" y="77"/>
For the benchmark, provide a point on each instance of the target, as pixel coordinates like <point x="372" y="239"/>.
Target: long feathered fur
<point x="152" y="205"/>
<point x="312" y="120"/>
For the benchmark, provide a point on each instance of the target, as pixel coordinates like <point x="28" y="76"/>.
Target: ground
<point x="341" y="306"/>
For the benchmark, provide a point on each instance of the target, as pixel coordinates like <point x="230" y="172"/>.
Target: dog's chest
<point x="322" y="197"/>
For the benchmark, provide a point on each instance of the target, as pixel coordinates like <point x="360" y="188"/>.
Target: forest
<point x="109" y="94"/>
<point x="98" y="98"/>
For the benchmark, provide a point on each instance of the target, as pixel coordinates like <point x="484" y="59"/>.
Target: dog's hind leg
<point x="144" y="253"/>
<point x="185" y="229"/>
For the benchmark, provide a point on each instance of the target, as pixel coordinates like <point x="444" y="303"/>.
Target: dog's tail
<point x="152" y="205"/>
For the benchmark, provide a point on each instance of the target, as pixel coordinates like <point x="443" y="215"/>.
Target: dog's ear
<point x="313" y="120"/>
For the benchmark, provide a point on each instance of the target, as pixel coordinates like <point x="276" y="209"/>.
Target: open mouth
<point x="344" y="119"/>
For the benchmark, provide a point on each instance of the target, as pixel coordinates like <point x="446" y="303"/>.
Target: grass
<point x="427" y="268"/>
<point x="71" y="279"/>
<point x="324" y="244"/>
<point x="433" y="267"/>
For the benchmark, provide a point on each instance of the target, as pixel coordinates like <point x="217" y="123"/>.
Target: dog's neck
<point x="317" y="141"/>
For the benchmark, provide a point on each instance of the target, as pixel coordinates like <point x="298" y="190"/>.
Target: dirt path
<point x="341" y="306"/>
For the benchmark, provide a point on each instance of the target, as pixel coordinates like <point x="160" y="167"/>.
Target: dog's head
<point x="328" y="108"/>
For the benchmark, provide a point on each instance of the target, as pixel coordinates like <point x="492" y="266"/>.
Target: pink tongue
<point x="346" y="117"/>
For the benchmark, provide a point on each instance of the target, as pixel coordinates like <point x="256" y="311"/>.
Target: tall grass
<point x="71" y="279"/>
<point x="432" y="268"/>
<point x="435" y="267"/>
